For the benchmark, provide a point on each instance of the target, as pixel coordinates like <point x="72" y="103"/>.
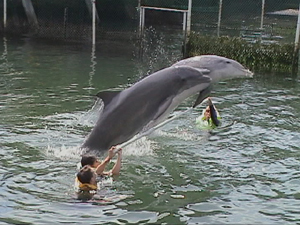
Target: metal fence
<point x="270" y="20"/>
<point x="72" y="19"/>
<point x="251" y="20"/>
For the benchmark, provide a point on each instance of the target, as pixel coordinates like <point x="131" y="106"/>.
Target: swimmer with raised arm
<point x="99" y="166"/>
<point x="210" y="117"/>
<point x="86" y="178"/>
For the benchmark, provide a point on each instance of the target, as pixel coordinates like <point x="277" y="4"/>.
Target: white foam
<point x="64" y="152"/>
<point x="180" y="134"/>
<point x="89" y="118"/>
<point x="140" y="147"/>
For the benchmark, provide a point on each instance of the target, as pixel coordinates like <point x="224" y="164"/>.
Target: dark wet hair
<point x="85" y="175"/>
<point x="88" y="160"/>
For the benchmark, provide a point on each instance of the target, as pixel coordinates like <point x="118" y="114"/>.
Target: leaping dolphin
<point x="217" y="68"/>
<point x="150" y="101"/>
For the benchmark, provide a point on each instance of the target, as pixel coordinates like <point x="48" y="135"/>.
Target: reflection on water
<point x="248" y="173"/>
<point x="93" y="66"/>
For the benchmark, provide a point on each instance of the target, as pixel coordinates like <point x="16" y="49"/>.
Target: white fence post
<point x="89" y="4"/>
<point x="262" y="15"/>
<point x="140" y="21"/>
<point x="219" y="17"/>
<point x="94" y="22"/>
<point x="184" y="24"/>
<point x="189" y="18"/>
<point x="297" y="31"/>
<point x="30" y="13"/>
<point x="4" y="13"/>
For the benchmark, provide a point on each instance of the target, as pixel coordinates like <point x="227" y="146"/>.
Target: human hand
<point x="117" y="148"/>
<point x="111" y="152"/>
<point x="119" y="152"/>
<point x="209" y="101"/>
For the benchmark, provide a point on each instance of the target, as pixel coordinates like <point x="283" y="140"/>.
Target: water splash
<point x="143" y="146"/>
<point x="64" y="152"/>
<point x="179" y="134"/>
<point x="89" y="118"/>
<point x="155" y="50"/>
<point x="62" y="130"/>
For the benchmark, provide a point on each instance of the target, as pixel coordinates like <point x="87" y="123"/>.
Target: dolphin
<point x="150" y="100"/>
<point x="217" y="68"/>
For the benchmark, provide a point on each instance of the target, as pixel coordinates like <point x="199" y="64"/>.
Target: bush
<point x="255" y="56"/>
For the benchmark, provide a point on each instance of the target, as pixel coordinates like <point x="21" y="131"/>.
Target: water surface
<point x="248" y="173"/>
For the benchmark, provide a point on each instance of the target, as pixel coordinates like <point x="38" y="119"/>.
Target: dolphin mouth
<point x="248" y="73"/>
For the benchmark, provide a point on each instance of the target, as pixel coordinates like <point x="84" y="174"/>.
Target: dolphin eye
<point x="183" y="80"/>
<point x="228" y="62"/>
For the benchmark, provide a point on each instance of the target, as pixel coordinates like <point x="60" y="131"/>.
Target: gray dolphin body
<point x="217" y="68"/>
<point x="150" y="101"/>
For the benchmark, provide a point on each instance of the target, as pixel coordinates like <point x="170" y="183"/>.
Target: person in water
<point x="210" y="117"/>
<point x="99" y="166"/>
<point x="86" y="178"/>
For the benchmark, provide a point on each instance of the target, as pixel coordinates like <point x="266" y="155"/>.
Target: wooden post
<point x="29" y="10"/>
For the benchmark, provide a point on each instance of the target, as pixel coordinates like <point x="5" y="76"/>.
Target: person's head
<point x="87" y="186"/>
<point x="207" y="112"/>
<point x="89" y="160"/>
<point x="86" y="175"/>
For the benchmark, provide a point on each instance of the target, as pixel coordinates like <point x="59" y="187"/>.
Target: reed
<point x="256" y="56"/>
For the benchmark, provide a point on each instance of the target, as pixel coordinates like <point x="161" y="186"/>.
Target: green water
<point x="247" y="174"/>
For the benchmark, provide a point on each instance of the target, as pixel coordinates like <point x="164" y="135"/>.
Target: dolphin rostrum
<point x="149" y="101"/>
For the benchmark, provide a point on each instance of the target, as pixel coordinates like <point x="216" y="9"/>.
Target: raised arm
<point x="101" y="167"/>
<point x="117" y="167"/>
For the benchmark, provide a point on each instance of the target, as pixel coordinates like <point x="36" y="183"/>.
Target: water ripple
<point x="248" y="173"/>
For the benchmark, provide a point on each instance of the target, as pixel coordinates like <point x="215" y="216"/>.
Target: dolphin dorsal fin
<point x="107" y="96"/>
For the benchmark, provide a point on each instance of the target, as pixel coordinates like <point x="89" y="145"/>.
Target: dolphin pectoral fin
<point x="202" y="95"/>
<point x="107" y="96"/>
<point x="214" y="115"/>
<point x="203" y="71"/>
